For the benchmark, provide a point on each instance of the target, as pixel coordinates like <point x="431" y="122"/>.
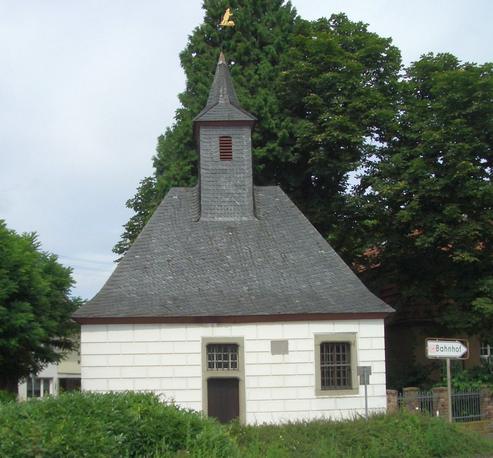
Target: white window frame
<point x="42" y="382"/>
<point x="486" y="351"/>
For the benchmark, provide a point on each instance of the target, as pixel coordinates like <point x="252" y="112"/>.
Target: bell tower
<point x="223" y="131"/>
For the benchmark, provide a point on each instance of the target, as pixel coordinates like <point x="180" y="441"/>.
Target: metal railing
<point x="421" y="401"/>
<point x="466" y="405"/>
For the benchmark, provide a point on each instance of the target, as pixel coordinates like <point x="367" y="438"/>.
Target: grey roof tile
<point x="275" y="264"/>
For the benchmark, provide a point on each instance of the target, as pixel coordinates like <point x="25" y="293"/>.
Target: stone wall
<point x="392" y="401"/>
<point x="410" y="400"/>
<point x="487" y="403"/>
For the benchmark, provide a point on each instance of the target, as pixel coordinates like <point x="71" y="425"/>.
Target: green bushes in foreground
<point x="108" y="425"/>
<point x="139" y="425"/>
<point x="6" y="396"/>
<point x="400" y="435"/>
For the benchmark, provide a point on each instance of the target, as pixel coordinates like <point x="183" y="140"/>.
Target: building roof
<point x="223" y="104"/>
<point x="271" y="265"/>
<point x="274" y="265"/>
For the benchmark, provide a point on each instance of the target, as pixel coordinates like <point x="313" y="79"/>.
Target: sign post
<point x="449" y="391"/>
<point x="364" y="373"/>
<point x="447" y="349"/>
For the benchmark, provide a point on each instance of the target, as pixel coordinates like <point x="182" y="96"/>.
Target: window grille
<point x="225" y="148"/>
<point x="222" y="357"/>
<point x="335" y="365"/>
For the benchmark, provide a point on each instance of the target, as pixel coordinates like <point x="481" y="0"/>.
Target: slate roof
<point x="275" y="264"/>
<point x="272" y="263"/>
<point x="223" y="104"/>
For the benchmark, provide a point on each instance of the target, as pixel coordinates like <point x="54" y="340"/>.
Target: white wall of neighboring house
<point x="167" y="359"/>
<point x="48" y="375"/>
<point x="70" y="365"/>
<point x="51" y="377"/>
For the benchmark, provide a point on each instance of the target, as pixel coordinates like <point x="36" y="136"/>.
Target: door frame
<point x="238" y="374"/>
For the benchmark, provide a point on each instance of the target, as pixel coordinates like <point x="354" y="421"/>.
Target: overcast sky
<point x="87" y="86"/>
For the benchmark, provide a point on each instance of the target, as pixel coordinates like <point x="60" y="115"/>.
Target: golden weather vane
<point x="226" y="20"/>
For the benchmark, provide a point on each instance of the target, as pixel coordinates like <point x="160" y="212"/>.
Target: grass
<point x="140" y="425"/>
<point x="400" y="435"/>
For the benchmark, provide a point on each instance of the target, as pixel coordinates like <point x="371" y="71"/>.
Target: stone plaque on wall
<point x="279" y="347"/>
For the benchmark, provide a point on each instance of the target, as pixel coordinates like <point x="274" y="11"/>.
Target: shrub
<point x="108" y="425"/>
<point x="474" y="378"/>
<point x="139" y="425"/>
<point x="6" y="396"/>
<point x="400" y="435"/>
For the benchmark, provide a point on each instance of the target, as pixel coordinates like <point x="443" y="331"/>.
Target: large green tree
<point x="35" y="307"/>
<point x="331" y="99"/>
<point x="429" y="197"/>
<point x="320" y="91"/>
<point x="338" y="89"/>
<point x="254" y="48"/>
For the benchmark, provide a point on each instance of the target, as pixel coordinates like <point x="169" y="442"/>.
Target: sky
<point x="87" y="87"/>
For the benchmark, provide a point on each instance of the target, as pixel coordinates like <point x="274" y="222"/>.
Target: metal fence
<point x="422" y="401"/>
<point x="466" y="405"/>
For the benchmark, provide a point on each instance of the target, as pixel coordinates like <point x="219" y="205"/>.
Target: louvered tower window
<point x="225" y="148"/>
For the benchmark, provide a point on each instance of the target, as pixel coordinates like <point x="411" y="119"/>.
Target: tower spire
<point x="223" y="103"/>
<point x="223" y="130"/>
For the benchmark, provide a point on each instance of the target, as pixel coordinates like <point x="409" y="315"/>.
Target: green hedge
<point x="108" y="425"/>
<point x="139" y="425"/>
<point x="6" y="396"/>
<point x="402" y="435"/>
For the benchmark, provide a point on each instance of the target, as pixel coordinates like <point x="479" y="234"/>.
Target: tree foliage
<point x="254" y="48"/>
<point x="331" y="99"/>
<point x="338" y="89"/>
<point x="429" y="196"/>
<point x="318" y="90"/>
<point x="35" y="307"/>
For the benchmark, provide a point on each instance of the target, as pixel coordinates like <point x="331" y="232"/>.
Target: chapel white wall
<point x="166" y="359"/>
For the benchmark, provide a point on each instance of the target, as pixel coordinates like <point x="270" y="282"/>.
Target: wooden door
<point x="223" y="398"/>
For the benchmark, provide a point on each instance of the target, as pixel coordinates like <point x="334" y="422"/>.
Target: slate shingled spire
<point x="223" y="104"/>
<point x="223" y="131"/>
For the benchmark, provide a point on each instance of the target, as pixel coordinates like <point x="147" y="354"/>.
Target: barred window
<point x="222" y="357"/>
<point x="225" y="148"/>
<point x="335" y="365"/>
